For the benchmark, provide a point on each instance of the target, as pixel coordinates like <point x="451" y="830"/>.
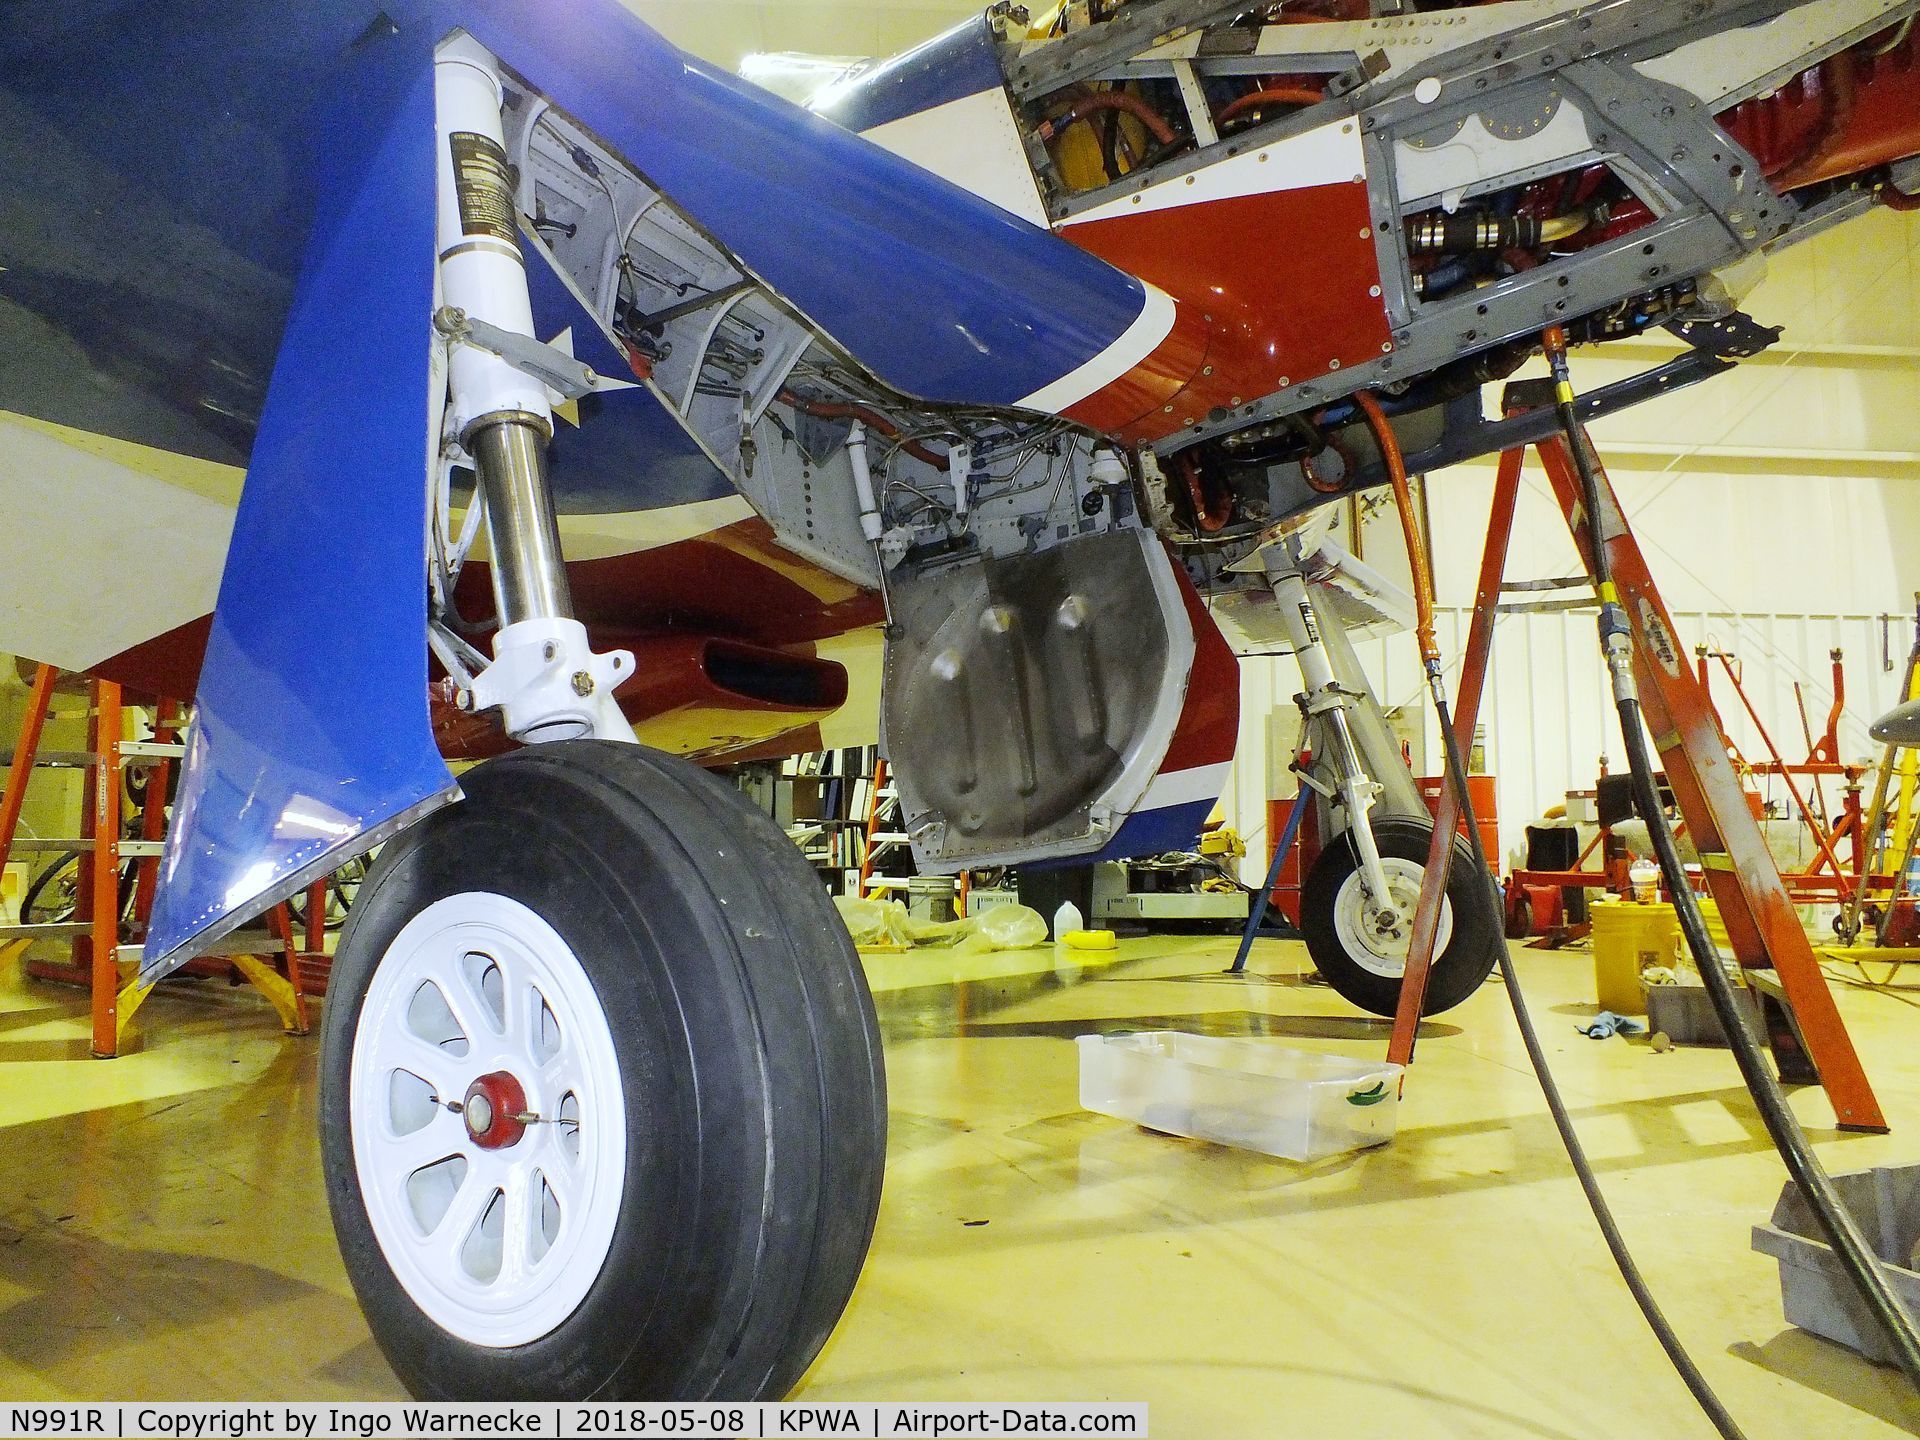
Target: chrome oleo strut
<point x="544" y="678"/>
<point x="1325" y="700"/>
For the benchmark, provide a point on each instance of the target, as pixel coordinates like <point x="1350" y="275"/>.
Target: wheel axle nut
<point x="494" y="1110"/>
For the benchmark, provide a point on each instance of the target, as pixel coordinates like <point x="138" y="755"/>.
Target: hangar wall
<point x="1776" y="505"/>
<point x="725" y="31"/>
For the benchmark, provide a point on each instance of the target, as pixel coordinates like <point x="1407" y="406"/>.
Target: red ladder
<point x="96" y="929"/>
<point x="1761" y="923"/>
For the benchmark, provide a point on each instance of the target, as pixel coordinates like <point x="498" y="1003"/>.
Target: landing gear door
<point x="1032" y="702"/>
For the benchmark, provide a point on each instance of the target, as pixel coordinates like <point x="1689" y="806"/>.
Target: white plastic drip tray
<point x="1252" y="1094"/>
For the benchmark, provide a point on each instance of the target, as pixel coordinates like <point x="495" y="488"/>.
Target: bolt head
<point x="479" y="1113"/>
<point x="582" y="683"/>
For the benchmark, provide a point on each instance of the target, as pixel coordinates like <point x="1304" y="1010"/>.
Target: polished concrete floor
<point x="163" y="1233"/>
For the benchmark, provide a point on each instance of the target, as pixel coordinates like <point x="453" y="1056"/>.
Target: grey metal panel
<point x="1022" y="693"/>
<point x="1049" y="66"/>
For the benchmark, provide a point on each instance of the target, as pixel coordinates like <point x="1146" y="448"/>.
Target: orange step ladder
<point x="883" y="833"/>
<point x="104" y="914"/>
<point x="1809" y="1038"/>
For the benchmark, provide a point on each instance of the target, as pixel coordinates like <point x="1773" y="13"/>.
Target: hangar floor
<point x="163" y="1235"/>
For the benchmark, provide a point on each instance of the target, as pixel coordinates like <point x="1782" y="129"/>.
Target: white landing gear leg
<point x="1326" y="700"/>
<point x="545" y="678"/>
<point x="1357" y="900"/>
<point x="601" y="1107"/>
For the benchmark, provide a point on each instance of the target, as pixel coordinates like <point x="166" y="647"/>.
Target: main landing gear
<point x="602" y="1111"/>
<point x="601" y="1101"/>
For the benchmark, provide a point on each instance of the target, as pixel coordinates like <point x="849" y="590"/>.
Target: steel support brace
<point x="24" y="746"/>
<point x="103" y="798"/>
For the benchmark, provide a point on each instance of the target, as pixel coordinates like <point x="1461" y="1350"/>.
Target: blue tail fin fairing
<point x="311" y="734"/>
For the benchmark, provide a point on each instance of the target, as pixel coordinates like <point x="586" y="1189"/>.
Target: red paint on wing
<point x="1285" y="285"/>
<point x="693" y="695"/>
<point x="167" y="667"/>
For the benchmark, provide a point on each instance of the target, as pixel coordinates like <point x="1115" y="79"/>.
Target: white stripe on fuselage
<point x="106" y="544"/>
<point x="1184" y="787"/>
<point x="1329" y="154"/>
<point x="1139" y="341"/>
<point x="974" y="143"/>
<point x="109" y="543"/>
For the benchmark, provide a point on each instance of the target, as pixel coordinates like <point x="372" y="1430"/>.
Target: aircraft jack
<point x="1809" y="1039"/>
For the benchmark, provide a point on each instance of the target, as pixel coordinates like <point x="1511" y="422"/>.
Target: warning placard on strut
<point x="481" y="182"/>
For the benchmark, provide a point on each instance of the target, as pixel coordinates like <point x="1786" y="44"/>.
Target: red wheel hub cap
<point x="492" y="1110"/>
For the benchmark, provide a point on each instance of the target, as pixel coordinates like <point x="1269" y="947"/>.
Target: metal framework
<point x="102" y="902"/>
<point x="1810" y="1039"/>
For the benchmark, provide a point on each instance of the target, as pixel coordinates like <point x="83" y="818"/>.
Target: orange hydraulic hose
<point x="872" y="419"/>
<point x="1897" y="199"/>
<point x="1124" y="100"/>
<point x="1396" y="464"/>
<point x="1209" y="517"/>
<point x="1314" y="482"/>
<point x="1259" y="99"/>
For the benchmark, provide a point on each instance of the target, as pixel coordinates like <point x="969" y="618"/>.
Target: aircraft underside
<point x="579" y="387"/>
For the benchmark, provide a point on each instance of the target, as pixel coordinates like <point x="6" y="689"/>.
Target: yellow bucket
<point x="1716" y="927"/>
<point x="1628" y="938"/>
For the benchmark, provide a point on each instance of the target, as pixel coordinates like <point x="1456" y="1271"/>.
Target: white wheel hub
<point x="1378" y="937"/>
<point x="495" y="1220"/>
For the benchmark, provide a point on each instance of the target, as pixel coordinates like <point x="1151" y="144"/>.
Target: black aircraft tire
<point x="1372" y="981"/>
<point x="682" y="965"/>
<point x="51" y="885"/>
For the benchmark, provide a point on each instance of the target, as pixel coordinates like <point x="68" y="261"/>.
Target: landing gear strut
<point x="1357" y="903"/>
<point x="602" y="1111"/>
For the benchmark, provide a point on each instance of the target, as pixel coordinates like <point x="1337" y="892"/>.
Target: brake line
<point x="1842" y="1230"/>
<point x="1663" y="1331"/>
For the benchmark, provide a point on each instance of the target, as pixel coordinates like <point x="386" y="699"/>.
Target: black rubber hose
<point x="1663" y="1331"/>
<point x="1838" y="1223"/>
<point x="1836" y="1220"/>
<point x="1816" y="1186"/>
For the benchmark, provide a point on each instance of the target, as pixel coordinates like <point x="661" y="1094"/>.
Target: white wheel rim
<point x="1382" y="949"/>
<point x="497" y="1246"/>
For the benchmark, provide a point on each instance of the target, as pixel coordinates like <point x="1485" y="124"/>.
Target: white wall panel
<point x="724" y="31"/>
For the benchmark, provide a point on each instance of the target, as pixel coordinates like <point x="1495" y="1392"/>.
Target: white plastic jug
<point x="1067" y="919"/>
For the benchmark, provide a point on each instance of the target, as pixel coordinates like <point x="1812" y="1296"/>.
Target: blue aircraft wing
<point x="229" y="207"/>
